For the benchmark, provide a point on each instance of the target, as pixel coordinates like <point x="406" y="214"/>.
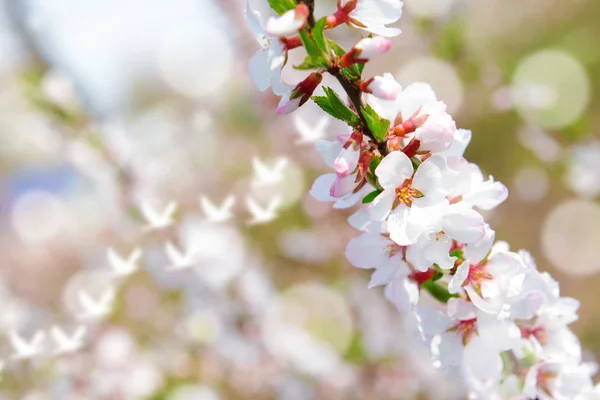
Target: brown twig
<point x="311" y="8"/>
<point x="356" y="98"/>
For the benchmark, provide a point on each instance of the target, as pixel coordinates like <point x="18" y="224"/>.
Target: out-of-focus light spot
<point x="290" y="189"/>
<point x="144" y="379"/>
<point x="93" y="281"/>
<point x="141" y="302"/>
<point x="583" y="174"/>
<point x="429" y="8"/>
<point x="115" y="348"/>
<point x="540" y="143"/>
<point x="531" y="184"/>
<point x="202" y="326"/>
<point x="255" y="288"/>
<point x="550" y="88"/>
<point x="570" y="237"/>
<point x="14" y="314"/>
<point x="219" y="249"/>
<point x="308" y="326"/>
<point x="183" y="60"/>
<point x="501" y="99"/>
<point x="35" y="395"/>
<point x="439" y="74"/>
<point x="305" y="245"/>
<point x="59" y="88"/>
<point x="193" y="392"/>
<point x="38" y="215"/>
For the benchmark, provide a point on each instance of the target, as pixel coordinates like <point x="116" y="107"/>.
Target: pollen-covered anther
<point x="477" y="276"/>
<point x="406" y="194"/>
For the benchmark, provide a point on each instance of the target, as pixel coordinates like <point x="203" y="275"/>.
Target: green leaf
<point x="334" y="106"/>
<point x="374" y="164"/>
<point x="438" y="292"/>
<point x="415" y="162"/>
<point x="281" y="6"/>
<point x="458" y="253"/>
<point x="317" y="32"/>
<point x="310" y="44"/>
<point x="371" y="196"/>
<point x="337" y="49"/>
<point x="354" y="72"/>
<point x="378" y="126"/>
<point x="437" y="276"/>
<point x="311" y="62"/>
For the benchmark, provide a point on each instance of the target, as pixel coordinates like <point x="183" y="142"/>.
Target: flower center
<point x="422" y="277"/>
<point x="538" y="332"/>
<point x="465" y="329"/>
<point x="477" y="276"/>
<point x="406" y="194"/>
<point x="544" y="379"/>
<point x="393" y="249"/>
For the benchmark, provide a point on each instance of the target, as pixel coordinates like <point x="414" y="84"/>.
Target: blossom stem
<point x="311" y="8"/>
<point x="355" y="95"/>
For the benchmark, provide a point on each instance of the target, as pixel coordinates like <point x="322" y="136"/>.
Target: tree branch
<point x="311" y="8"/>
<point x="355" y="96"/>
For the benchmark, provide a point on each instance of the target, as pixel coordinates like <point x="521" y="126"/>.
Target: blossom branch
<point x="483" y="310"/>
<point x="355" y="96"/>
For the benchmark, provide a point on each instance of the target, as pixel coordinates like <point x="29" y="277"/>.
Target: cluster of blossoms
<point x="485" y="313"/>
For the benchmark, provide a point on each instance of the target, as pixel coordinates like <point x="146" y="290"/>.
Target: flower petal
<point x="368" y="250"/>
<point x="380" y="207"/>
<point x="394" y="169"/>
<point x="402" y="229"/>
<point x="259" y="70"/>
<point x="321" y="187"/>
<point x="464" y="225"/>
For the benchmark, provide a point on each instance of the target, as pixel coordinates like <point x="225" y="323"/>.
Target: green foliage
<point x="371" y="196"/>
<point x="317" y="32"/>
<point x="334" y="106"/>
<point x="337" y="49"/>
<point x="281" y="6"/>
<point x="415" y="162"/>
<point x="374" y="164"/>
<point x="458" y="253"/>
<point x="450" y="41"/>
<point x="377" y="125"/>
<point x="311" y="62"/>
<point x="354" y="72"/>
<point x="310" y="44"/>
<point x="355" y="353"/>
<point x="437" y="291"/>
<point x="437" y="276"/>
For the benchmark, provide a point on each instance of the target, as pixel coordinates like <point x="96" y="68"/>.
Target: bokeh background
<point x="108" y="104"/>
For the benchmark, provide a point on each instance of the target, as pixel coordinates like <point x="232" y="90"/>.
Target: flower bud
<point x="289" y="23"/>
<point x="365" y="49"/>
<point x="297" y="96"/>
<point x="385" y="87"/>
<point x="342" y="15"/>
<point x="394" y="143"/>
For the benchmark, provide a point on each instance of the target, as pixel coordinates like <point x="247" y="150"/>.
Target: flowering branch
<point x="355" y="97"/>
<point x="485" y="313"/>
